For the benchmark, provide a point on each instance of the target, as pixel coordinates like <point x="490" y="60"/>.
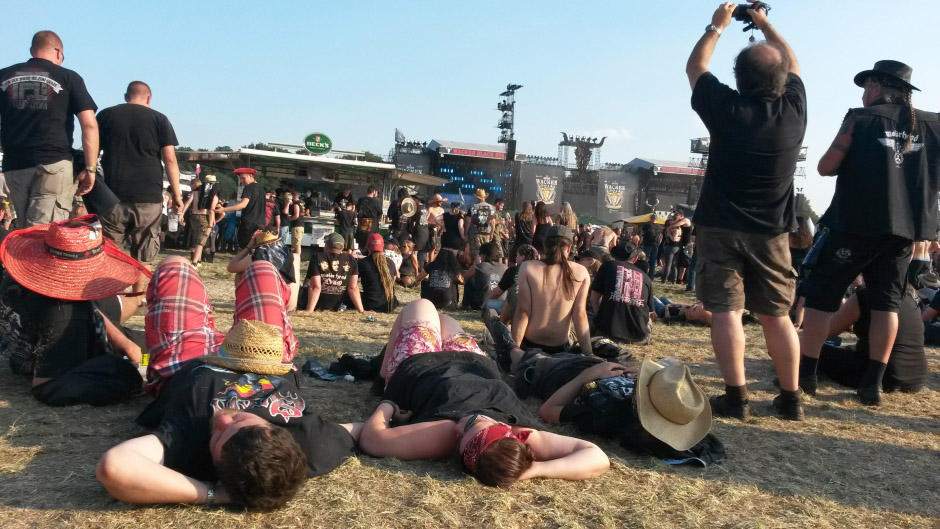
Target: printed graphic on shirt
<point x="897" y="141"/>
<point x="252" y="391"/>
<point x="481" y="217"/>
<point x="30" y="90"/>
<point x="628" y="287"/>
<point x="439" y="279"/>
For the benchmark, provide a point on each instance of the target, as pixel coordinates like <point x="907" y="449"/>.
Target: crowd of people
<point x="559" y="300"/>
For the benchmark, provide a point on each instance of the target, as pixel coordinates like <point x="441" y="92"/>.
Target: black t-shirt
<point x="908" y="361"/>
<point x="649" y="235"/>
<point x="254" y="212"/>
<point x="486" y="278"/>
<point x="880" y="188"/>
<point x="407" y="267"/>
<point x="295" y="207"/>
<point x="369" y="208"/>
<point x="451" y="385"/>
<point x="626" y="300"/>
<point x="47" y="337"/>
<point x="440" y="288"/>
<point x="510" y="279"/>
<point x="452" y="239"/>
<point x="182" y="412"/>
<point x="373" y="292"/>
<point x="523" y="231"/>
<point x="346" y="221"/>
<point x="132" y="138"/>
<point x="341" y="200"/>
<point x="538" y="238"/>
<point x="418" y="227"/>
<point x="36" y="123"/>
<point x="280" y="203"/>
<point x="335" y="271"/>
<point x="752" y="157"/>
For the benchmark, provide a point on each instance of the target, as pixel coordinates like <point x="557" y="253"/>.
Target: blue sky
<point x="232" y="73"/>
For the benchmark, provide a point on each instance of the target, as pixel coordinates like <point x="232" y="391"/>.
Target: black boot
<point x="789" y="405"/>
<point x="733" y="404"/>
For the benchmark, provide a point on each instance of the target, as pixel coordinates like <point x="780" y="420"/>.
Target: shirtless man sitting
<point x="604" y="237"/>
<point x="553" y="294"/>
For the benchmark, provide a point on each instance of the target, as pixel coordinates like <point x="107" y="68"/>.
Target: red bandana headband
<point x="484" y="438"/>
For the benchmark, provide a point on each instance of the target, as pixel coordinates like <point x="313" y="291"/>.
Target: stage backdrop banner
<point x="546" y="189"/>
<point x="613" y="195"/>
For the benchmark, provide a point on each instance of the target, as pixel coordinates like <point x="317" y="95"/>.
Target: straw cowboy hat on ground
<point x="251" y="346"/>
<point x="69" y="260"/>
<point x="671" y="407"/>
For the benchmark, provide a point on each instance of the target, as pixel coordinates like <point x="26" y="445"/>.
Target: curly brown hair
<point x="503" y="462"/>
<point x="262" y="468"/>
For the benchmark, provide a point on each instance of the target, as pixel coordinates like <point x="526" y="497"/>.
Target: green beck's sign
<point x="318" y="143"/>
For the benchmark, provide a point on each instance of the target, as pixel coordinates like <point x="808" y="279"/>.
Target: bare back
<point x="542" y="296"/>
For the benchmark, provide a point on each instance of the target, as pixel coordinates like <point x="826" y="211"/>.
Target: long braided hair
<point x="895" y="92"/>
<point x="388" y="283"/>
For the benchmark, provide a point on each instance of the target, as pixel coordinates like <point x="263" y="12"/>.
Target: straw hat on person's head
<point x="211" y="179"/>
<point x="437" y="199"/>
<point x="264" y="238"/>
<point x="252" y="346"/>
<point x="69" y="260"/>
<point x="481" y="193"/>
<point x="671" y="407"/>
<point x="408" y="207"/>
<point x="930" y="280"/>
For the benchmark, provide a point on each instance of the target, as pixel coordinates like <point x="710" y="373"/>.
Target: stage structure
<point x="662" y="184"/>
<point x="469" y="166"/>
<point x="587" y="152"/>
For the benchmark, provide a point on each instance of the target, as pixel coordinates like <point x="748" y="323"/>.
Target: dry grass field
<point x="846" y="466"/>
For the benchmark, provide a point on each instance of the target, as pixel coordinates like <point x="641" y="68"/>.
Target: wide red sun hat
<point x="69" y="260"/>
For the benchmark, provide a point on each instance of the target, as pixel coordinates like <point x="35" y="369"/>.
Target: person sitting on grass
<point x="907" y="365"/>
<point x="621" y="297"/>
<point x="408" y="271"/>
<point x="668" y="312"/>
<point x="455" y="402"/>
<point x="509" y="284"/>
<point x="332" y="277"/>
<point x="61" y="311"/>
<point x="483" y="277"/>
<point x="378" y="283"/>
<point x="439" y="281"/>
<point x="230" y="428"/>
<point x="553" y="294"/>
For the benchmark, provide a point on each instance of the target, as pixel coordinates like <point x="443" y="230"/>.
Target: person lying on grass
<point x="229" y="429"/>
<point x="457" y="403"/>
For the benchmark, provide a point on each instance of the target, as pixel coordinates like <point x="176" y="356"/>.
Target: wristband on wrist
<point x="91" y="169"/>
<point x="210" y="494"/>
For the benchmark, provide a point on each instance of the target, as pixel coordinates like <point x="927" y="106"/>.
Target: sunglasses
<point x="471" y="421"/>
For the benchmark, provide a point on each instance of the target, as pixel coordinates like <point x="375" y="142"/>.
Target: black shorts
<point x="881" y="259"/>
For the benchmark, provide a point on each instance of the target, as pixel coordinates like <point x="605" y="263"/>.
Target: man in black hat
<point x="886" y="159"/>
<point x="621" y="297"/>
<point x="746" y="207"/>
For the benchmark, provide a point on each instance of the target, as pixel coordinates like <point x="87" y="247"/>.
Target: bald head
<point x="138" y="92"/>
<point x="761" y="71"/>
<point x="47" y="45"/>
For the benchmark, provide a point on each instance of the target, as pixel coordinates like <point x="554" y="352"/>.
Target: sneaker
<point x="788" y="408"/>
<point x="722" y="406"/>
<point x="870" y="396"/>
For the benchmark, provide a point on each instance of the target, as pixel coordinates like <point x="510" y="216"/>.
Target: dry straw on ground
<point x="846" y="466"/>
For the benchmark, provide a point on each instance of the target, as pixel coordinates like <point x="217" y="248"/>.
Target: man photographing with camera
<point x="746" y="208"/>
